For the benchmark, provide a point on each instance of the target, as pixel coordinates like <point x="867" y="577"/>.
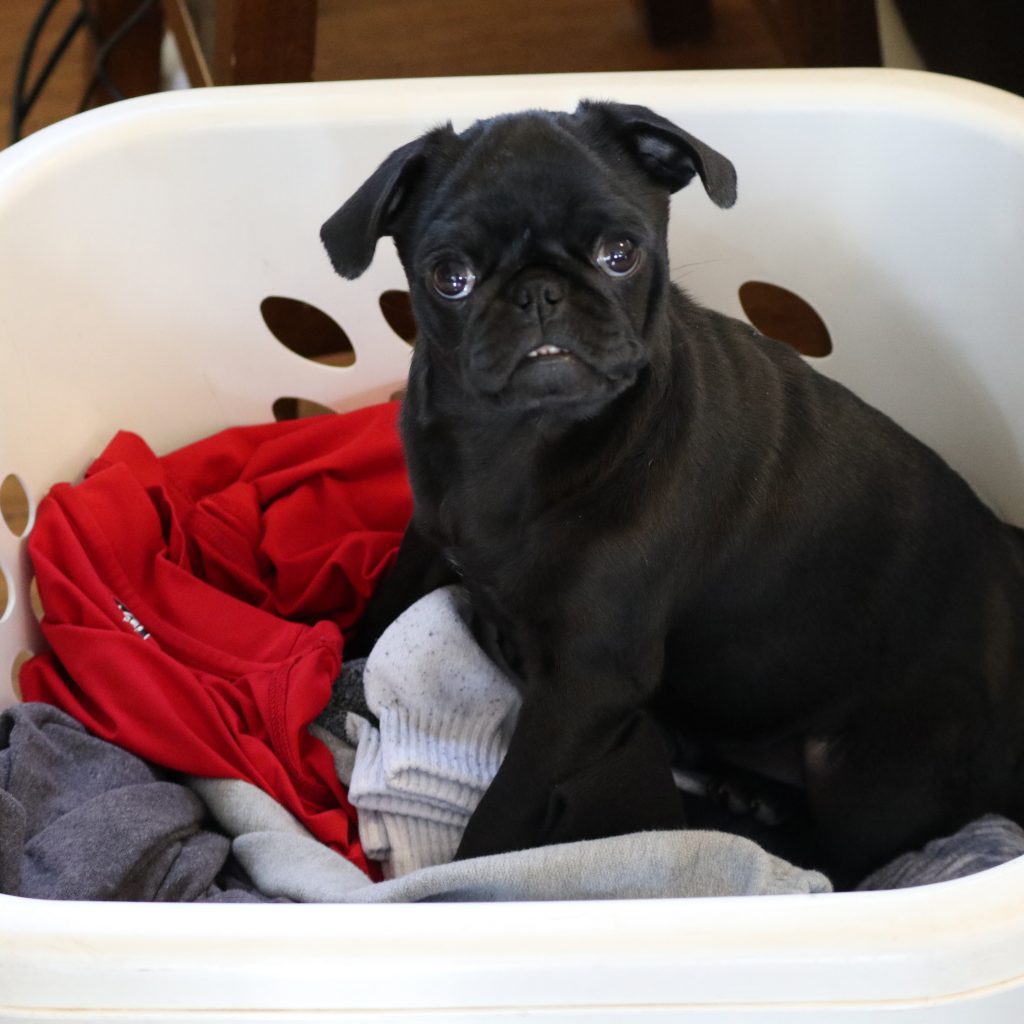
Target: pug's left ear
<point x="668" y="154"/>
<point x="350" y="235"/>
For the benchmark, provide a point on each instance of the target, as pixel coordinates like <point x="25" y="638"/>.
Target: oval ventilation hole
<point x="397" y="309"/>
<point x="289" y="408"/>
<point x="783" y="315"/>
<point x="19" y="660"/>
<point x="6" y="596"/>
<point x="35" y="602"/>
<point x="307" y="331"/>
<point x="14" y="504"/>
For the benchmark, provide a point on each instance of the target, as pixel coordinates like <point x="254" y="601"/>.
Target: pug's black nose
<point x="540" y="293"/>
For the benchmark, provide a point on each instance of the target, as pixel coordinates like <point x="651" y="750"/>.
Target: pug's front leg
<point x="418" y="568"/>
<point x="586" y="760"/>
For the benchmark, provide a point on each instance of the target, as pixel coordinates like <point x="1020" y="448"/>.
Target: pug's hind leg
<point x="564" y="781"/>
<point x="874" y="796"/>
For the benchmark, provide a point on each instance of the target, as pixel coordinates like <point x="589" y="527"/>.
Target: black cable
<point x="24" y="97"/>
<point x="99" y="75"/>
<point x="27" y="53"/>
<point x="74" y="26"/>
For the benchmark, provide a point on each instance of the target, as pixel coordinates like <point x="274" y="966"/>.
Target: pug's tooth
<point x="545" y="350"/>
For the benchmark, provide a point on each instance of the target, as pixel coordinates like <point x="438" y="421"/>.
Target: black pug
<point x="671" y="522"/>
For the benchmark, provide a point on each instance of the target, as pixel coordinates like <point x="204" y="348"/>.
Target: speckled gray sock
<point x="446" y="710"/>
<point x="446" y="713"/>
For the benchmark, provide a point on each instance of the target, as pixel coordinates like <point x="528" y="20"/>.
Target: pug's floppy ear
<point x="350" y="235"/>
<point x="668" y="154"/>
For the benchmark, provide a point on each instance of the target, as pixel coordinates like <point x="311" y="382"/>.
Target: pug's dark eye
<point x="618" y="258"/>
<point x="453" y="279"/>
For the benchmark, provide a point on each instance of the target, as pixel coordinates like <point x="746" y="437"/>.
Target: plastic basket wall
<point x="138" y="244"/>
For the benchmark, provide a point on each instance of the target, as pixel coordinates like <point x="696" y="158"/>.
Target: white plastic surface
<point x="136" y="244"/>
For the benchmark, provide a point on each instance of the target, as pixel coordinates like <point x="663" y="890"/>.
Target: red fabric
<point x="195" y="604"/>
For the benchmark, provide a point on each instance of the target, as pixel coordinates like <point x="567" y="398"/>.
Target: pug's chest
<point x="500" y="552"/>
<point x="492" y="550"/>
<point x="516" y="538"/>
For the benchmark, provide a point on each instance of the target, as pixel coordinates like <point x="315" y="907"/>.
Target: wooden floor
<point x="402" y="38"/>
<point x="485" y="37"/>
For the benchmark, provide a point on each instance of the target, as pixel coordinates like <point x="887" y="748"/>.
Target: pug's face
<point x="535" y="248"/>
<point x="534" y="264"/>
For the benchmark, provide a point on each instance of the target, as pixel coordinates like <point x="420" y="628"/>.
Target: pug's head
<point x="535" y="247"/>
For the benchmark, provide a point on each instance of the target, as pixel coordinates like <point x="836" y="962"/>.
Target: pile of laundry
<point x="194" y="732"/>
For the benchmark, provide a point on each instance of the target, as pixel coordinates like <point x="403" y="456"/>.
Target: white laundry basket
<point x="137" y="243"/>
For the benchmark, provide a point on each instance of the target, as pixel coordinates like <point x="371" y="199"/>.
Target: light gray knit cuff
<point x="443" y="758"/>
<point x="370" y="790"/>
<point x="416" y="844"/>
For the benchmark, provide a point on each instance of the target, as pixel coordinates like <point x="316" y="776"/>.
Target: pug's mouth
<point x="555" y="372"/>
<point x="551" y="360"/>
<point x="550" y="372"/>
<point x="551" y="356"/>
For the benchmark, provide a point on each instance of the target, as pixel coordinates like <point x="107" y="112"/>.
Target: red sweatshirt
<point x="195" y="604"/>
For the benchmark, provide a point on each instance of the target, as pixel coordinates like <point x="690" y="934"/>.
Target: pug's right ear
<point x="350" y="236"/>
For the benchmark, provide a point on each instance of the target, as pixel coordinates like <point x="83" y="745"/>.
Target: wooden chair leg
<point x="132" y="64"/>
<point x="264" y="41"/>
<point x="825" y="33"/>
<point x="674" y="21"/>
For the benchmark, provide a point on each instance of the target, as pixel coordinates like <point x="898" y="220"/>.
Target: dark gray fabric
<point x="985" y="843"/>
<point x="347" y="695"/>
<point x="83" y="819"/>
